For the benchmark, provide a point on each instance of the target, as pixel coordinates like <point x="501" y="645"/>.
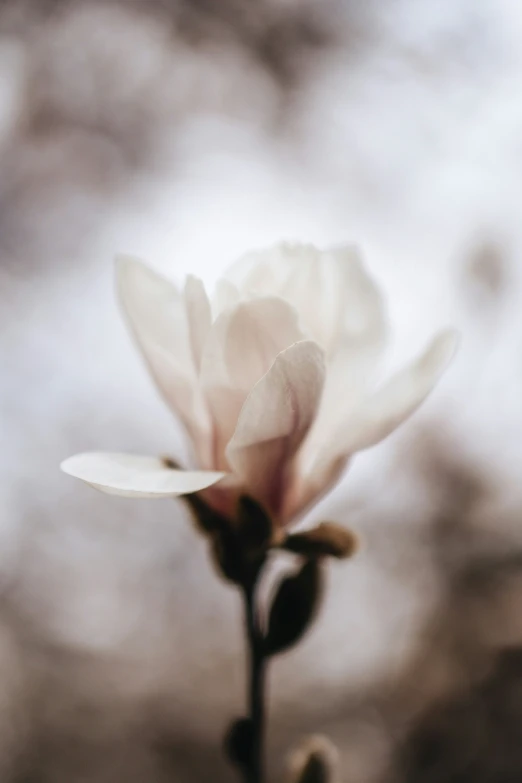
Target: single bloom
<point x="274" y="378"/>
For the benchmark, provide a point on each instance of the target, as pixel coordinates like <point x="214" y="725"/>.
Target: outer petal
<point x="382" y="412"/>
<point x="390" y="405"/>
<point x="322" y="459"/>
<point x="274" y="421"/>
<point x="155" y="310"/>
<point x="242" y="345"/>
<point x="357" y="343"/>
<point x="156" y="314"/>
<point x="361" y="315"/>
<point x="132" y="476"/>
<point x="199" y="318"/>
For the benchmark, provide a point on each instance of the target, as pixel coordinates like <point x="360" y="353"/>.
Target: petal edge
<point x="129" y="475"/>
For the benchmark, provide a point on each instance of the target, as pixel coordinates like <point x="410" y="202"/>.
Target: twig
<point x="254" y="772"/>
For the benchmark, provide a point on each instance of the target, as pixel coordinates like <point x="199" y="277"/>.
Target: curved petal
<point x="156" y="313"/>
<point x="357" y="342"/>
<point x="310" y="287"/>
<point x="326" y="453"/>
<point x="361" y="312"/>
<point x="257" y="332"/>
<point x="155" y="310"/>
<point x="338" y="301"/>
<point x="399" y="397"/>
<point x="241" y="347"/>
<point x="274" y="421"/>
<point x="133" y="476"/>
<point x="383" y="411"/>
<point x="199" y="318"/>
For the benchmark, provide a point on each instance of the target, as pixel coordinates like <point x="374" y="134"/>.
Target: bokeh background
<point x="187" y="132"/>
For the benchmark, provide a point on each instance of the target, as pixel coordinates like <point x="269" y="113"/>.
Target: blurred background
<point x="187" y="132"/>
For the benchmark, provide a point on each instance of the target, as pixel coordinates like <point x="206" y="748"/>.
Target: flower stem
<point x="254" y="772"/>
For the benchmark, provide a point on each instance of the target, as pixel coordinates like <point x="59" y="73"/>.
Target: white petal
<point x="326" y="452"/>
<point x="399" y="397"/>
<point x="357" y="342"/>
<point x="133" y="476"/>
<point x="335" y="298"/>
<point x="287" y="270"/>
<point x="274" y="421"/>
<point x="312" y="287"/>
<point x="339" y="304"/>
<point x="225" y="296"/>
<point x="156" y="314"/>
<point x="154" y="308"/>
<point x="260" y="272"/>
<point x="241" y="347"/>
<point x="362" y="314"/>
<point x="257" y="332"/>
<point x="199" y="317"/>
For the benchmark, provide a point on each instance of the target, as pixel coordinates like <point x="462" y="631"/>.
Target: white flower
<point x="273" y="380"/>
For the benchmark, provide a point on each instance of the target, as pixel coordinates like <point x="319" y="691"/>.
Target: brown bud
<point x="229" y="557"/>
<point x="207" y="520"/>
<point x="294" y="608"/>
<point x="254" y="526"/>
<point x="239" y="546"/>
<point x="171" y="463"/>
<point x="314" y="761"/>
<point x="239" y="741"/>
<point x="328" y="539"/>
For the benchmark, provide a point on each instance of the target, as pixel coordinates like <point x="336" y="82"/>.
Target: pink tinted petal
<point x="129" y="475"/>
<point x="258" y="331"/>
<point x="274" y="421"/>
<point x="242" y="345"/>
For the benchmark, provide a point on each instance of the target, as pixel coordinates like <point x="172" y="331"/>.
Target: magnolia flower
<point x="273" y="379"/>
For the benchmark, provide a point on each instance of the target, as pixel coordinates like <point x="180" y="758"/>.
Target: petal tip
<point x="126" y="265"/>
<point x="130" y="475"/>
<point x="67" y="465"/>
